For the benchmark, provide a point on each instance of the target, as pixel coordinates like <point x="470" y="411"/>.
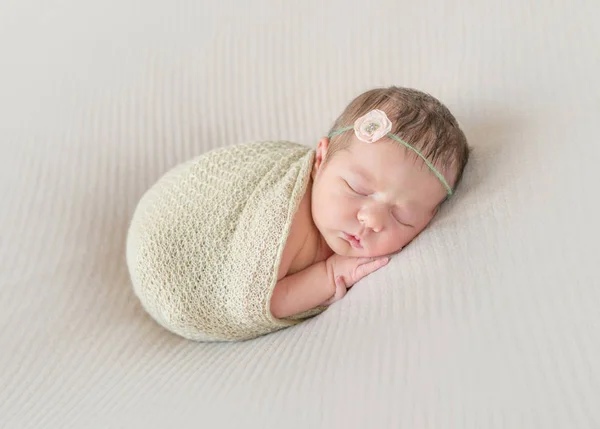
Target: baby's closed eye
<point x="356" y="189"/>
<point x="401" y="220"/>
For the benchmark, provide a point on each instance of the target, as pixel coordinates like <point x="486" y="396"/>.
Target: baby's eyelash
<point x="402" y="223"/>
<point x="352" y="189"/>
<point x="405" y="224"/>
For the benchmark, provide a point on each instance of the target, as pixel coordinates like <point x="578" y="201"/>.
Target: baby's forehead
<point x="370" y="159"/>
<point x="388" y="156"/>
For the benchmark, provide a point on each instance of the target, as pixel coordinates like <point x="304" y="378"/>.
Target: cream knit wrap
<point x="205" y="242"/>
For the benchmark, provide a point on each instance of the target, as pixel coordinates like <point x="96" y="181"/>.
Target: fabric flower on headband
<point x="372" y="126"/>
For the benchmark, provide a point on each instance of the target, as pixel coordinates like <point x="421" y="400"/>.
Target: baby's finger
<point x="364" y="259"/>
<point x="340" y="288"/>
<point x="366" y="269"/>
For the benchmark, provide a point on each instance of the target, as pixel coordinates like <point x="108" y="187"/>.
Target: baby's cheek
<point x="409" y="235"/>
<point x="395" y="246"/>
<point x="404" y="235"/>
<point x="382" y="244"/>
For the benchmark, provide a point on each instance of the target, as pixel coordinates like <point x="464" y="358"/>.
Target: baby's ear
<point x="323" y="147"/>
<point x="321" y="154"/>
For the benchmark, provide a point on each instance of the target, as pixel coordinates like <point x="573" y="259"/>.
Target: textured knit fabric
<point x="206" y="241"/>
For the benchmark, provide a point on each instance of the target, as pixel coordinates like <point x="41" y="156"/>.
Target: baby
<point x="248" y="239"/>
<point x="391" y="159"/>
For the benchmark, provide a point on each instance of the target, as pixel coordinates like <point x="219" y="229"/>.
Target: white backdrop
<point x="489" y="319"/>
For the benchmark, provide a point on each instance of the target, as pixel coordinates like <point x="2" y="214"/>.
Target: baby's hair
<point x="418" y="118"/>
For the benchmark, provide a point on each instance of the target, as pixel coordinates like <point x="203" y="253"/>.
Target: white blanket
<point x="489" y="319"/>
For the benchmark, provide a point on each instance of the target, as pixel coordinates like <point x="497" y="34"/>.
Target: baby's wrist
<point x="330" y="283"/>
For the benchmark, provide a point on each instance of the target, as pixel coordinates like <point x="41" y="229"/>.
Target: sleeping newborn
<point x="249" y="239"/>
<point x="375" y="185"/>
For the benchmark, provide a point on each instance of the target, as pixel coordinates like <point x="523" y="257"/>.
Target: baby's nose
<point x="372" y="219"/>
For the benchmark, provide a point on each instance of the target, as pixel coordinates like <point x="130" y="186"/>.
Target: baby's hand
<point x="346" y="271"/>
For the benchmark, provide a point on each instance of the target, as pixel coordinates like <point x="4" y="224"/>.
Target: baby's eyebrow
<point x="362" y="172"/>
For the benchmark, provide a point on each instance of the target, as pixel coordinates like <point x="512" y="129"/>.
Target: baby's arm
<point x="315" y="285"/>
<point x="303" y="290"/>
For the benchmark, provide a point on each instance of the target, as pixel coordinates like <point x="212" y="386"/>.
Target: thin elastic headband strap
<point x="338" y="132"/>
<point x="399" y="140"/>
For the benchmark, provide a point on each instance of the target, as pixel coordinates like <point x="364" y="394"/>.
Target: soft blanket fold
<point x="205" y="242"/>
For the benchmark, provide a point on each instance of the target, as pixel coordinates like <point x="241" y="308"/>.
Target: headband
<point x="376" y="125"/>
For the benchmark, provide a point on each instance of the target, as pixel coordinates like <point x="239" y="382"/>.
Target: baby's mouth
<point x="353" y="240"/>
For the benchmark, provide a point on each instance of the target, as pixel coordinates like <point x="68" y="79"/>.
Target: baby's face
<point x="377" y="193"/>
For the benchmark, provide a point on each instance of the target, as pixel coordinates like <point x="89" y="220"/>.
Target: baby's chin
<point x="339" y="246"/>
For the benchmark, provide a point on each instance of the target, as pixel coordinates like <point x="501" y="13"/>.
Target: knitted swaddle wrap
<point x="205" y="242"/>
